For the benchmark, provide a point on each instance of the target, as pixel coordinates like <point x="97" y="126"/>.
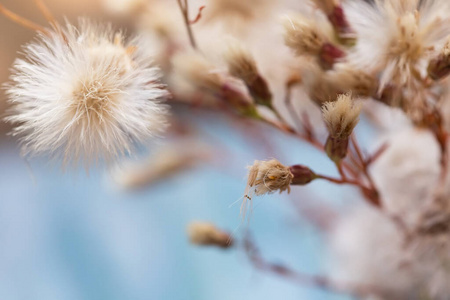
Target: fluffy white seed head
<point x="396" y="38"/>
<point x="341" y="116"/>
<point x="82" y="93"/>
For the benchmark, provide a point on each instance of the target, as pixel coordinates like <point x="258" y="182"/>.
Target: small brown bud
<point x="207" y="234"/>
<point x="336" y="148"/>
<point x="341" y="117"/>
<point x="302" y="175"/>
<point x="344" y="32"/>
<point x="329" y="55"/>
<point x="242" y="65"/>
<point x="201" y="74"/>
<point x="439" y="67"/>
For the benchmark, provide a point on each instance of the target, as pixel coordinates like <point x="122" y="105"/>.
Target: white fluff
<point x="84" y="94"/>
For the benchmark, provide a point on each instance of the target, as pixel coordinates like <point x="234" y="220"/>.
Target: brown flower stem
<point x="340" y="180"/>
<point x="288" y="102"/>
<point x="363" y="162"/>
<point x="341" y="170"/>
<point x="21" y="20"/>
<point x="199" y="15"/>
<point x="309" y="138"/>
<point x="317" y="281"/>
<point x="46" y="12"/>
<point x="376" y="154"/>
<point x="184" y="7"/>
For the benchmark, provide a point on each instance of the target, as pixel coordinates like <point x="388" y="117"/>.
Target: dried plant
<point x="310" y="71"/>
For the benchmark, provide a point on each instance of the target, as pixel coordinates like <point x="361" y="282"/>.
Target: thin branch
<point x="46" y="12"/>
<point x="341" y="181"/>
<point x="184" y="7"/>
<point x="199" y="15"/>
<point x="363" y="162"/>
<point x="316" y="281"/>
<point x="288" y="101"/>
<point x="21" y="20"/>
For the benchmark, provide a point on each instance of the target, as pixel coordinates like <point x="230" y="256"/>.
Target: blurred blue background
<point x="69" y="235"/>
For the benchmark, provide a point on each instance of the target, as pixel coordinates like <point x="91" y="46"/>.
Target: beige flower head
<point x="266" y="177"/>
<point x="241" y="63"/>
<point x="341" y="116"/>
<point x="207" y="234"/>
<point x="303" y="36"/>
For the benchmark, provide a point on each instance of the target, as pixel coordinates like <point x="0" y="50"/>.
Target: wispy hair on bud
<point x="341" y="116"/>
<point x="242" y="64"/>
<point x="303" y="35"/>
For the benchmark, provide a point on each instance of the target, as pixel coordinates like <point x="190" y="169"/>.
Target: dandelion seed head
<point x="83" y="94"/>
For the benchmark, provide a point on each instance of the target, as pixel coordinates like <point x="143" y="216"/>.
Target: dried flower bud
<point x="329" y="55"/>
<point x="266" y="177"/>
<point x="439" y="67"/>
<point x="344" y="32"/>
<point x="207" y="234"/>
<point x="302" y="175"/>
<point x="270" y="176"/>
<point x="303" y="36"/>
<point x="326" y="6"/>
<point x="341" y="117"/>
<point x="335" y="14"/>
<point x="204" y="76"/>
<point x="242" y="65"/>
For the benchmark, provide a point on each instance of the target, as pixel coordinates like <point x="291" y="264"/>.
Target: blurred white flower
<point x="407" y="172"/>
<point x="397" y="40"/>
<point x="82" y="93"/>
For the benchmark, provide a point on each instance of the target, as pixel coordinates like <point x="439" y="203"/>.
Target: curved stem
<point x="21" y="20"/>
<point x="46" y="12"/>
<point x="184" y="7"/>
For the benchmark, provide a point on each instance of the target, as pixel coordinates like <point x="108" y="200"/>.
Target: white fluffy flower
<point x="82" y="93"/>
<point x="407" y="172"/>
<point x="396" y="37"/>
<point x="397" y="40"/>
